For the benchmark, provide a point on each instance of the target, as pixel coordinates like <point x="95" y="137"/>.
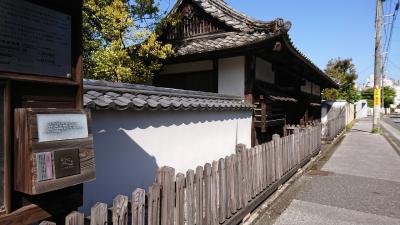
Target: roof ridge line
<point x="139" y="88"/>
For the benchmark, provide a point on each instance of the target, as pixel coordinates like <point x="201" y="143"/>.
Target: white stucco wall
<point x="131" y="145"/>
<point x="332" y="109"/>
<point x="264" y="71"/>
<point x="361" y="109"/>
<point x="231" y="76"/>
<point x="188" y="67"/>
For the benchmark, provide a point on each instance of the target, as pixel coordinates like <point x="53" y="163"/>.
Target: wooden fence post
<point x="138" y="206"/>
<point x="99" y="214"/>
<point x="199" y="195"/>
<point x="273" y="162"/>
<point x="74" y="218"/>
<point x="238" y="181"/>
<point x="154" y="205"/>
<point x="180" y="199"/>
<point x="245" y="190"/>
<point x="222" y="190"/>
<point x="190" y="199"/>
<point x="120" y="210"/>
<point x="166" y="178"/>
<point x="278" y="156"/>
<point x="207" y="193"/>
<point x="228" y="180"/>
<point x="214" y="193"/>
<point x="47" y="223"/>
<point x="240" y="148"/>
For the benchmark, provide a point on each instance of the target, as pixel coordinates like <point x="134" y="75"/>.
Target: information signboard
<point x="34" y="39"/>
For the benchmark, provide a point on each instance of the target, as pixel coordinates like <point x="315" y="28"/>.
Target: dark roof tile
<point x="119" y="96"/>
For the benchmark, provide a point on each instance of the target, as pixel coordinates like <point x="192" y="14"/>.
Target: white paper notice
<point x="56" y="127"/>
<point x="34" y="39"/>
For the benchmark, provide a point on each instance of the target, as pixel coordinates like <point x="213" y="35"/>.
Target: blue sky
<point x="324" y="29"/>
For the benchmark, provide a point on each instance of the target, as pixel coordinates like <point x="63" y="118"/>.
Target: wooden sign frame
<point x="32" y="90"/>
<point x="29" y="149"/>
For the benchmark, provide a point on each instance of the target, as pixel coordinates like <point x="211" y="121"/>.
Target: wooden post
<point x="138" y="206"/>
<point x="190" y="199"/>
<point x="166" y="178"/>
<point x="120" y="210"/>
<point x="99" y="214"/>
<point x="180" y="199"/>
<point x="214" y="193"/>
<point x="228" y="179"/>
<point x="47" y="223"/>
<point x="207" y="193"/>
<point x="233" y="178"/>
<point x="74" y="218"/>
<point x="199" y="195"/>
<point x="278" y="156"/>
<point x="222" y="191"/>
<point x="239" y="181"/>
<point x="154" y="204"/>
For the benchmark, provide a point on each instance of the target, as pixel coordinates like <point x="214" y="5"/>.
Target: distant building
<point x="387" y="82"/>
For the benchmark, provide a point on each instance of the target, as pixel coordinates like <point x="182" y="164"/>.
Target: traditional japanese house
<point x="218" y="49"/>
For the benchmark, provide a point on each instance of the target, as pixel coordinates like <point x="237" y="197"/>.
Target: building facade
<point x="223" y="51"/>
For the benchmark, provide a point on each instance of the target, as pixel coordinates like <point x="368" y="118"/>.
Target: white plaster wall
<point x="361" y="109"/>
<point x="264" y="71"/>
<point x="188" y="67"/>
<point x="231" y="76"/>
<point x="131" y="145"/>
<point x="332" y="109"/>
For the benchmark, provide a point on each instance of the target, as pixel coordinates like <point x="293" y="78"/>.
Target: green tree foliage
<point x="389" y="95"/>
<point x="120" y="40"/>
<point x="344" y="72"/>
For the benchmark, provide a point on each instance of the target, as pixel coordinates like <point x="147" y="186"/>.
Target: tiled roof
<point x="282" y="98"/>
<point x="246" y="30"/>
<point x="221" y="11"/>
<point x="220" y="41"/>
<point x="103" y="95"/>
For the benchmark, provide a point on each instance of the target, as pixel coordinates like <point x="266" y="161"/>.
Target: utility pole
<point x="378" y="65"/>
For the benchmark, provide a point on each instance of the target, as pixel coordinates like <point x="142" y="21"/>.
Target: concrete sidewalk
<point x="359" y="184"/>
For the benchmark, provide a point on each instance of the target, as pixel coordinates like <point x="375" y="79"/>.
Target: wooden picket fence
<point x="221" y="192"/>
<point x="335" y="127"/>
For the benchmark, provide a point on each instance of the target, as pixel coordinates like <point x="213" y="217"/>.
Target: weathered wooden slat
<point x="239" y="181"/>
<point x="278" y="156"/>
<point x="138" y="204"/>
<point x="154" y="203"/>
<point x="190" y="199"/>
<point x="99" y="214"/>
<point x="222" y="191"/>
<point x="265" y="165"/>
<point x="228" y="180"/>
<point x="180" y="199"/>
<point x="74" y="218"/>
<point x="166" y="178"/>
<point x="120" y="210"/>
<point x="214" y="193"/>
<point x="207" y="193"/>
<point x="199" y="196"/>
<point x="296" y="133"/>
<point x="233" y="182"/>
<point x="47" y="223"/>
<point x="254" y="172"/>
<point x="245" y="192"/>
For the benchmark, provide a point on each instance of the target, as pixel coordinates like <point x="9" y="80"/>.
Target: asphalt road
<point x="358" y="184"/>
